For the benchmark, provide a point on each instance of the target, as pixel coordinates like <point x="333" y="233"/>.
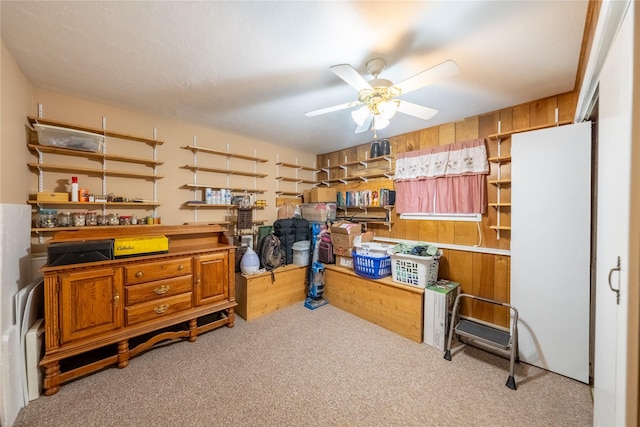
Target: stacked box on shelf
<point x="320" y="194"/>
<point x="345" y="235"/>
<point x="318" y="212"/>
<point x="438" y="302"/>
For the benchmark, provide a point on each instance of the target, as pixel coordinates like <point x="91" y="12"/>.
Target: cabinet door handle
<point x="161" y="308"/>
<point x="161" y="290"/>
<point x="180" y="267"/>
<point x="139" y="274"/>
<point x="116" y="299"/>
<point x="617" y="291"/>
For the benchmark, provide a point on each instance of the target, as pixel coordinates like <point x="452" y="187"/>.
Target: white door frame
<point x="627" y="360"/>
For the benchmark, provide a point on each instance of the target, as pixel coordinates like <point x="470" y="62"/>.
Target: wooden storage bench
<point x="394" y="306"/>
<point x="256" y="295"/>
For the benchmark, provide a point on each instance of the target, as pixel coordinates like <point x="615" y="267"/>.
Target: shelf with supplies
<point x="363" y="174"/>
<point x="195" y="204"/>
<point x="361" y="214"/>
<point x="63" y="141"/>
<point x="233" y="190"/>
<point x="92" y="155"/>
<point x="81" y="205"/>
<point x="308" y="178"/>
<point x="107" y="133"/>
<point x="238" y="170"/>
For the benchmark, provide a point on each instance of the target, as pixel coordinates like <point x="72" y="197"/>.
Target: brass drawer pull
<point x="180" y="267"/>
<point x="161" y="290"/>
<point x="139" y="274"/>
<point x="161" y="308"/>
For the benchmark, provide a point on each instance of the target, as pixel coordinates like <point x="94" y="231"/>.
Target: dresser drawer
<point x="135" y="294"/>
<point x="150" y="271"/>
<point x="156" y="309"/>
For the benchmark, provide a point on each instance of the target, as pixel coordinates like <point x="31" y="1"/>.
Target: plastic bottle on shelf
<point x="74" y="189"/>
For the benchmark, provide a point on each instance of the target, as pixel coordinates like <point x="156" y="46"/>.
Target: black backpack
<point x="289" y="231"/>
<point x="270" y="253"/>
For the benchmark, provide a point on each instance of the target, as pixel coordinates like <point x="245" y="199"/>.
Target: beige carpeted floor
<point x="325" y="367"/>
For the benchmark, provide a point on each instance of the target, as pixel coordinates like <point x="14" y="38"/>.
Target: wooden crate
<point x="394" y="306"/>
<point x="256" y="295"/>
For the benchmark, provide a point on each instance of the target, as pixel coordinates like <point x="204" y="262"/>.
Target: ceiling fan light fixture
<point x="388" y="109"/>
<point x="380" y="122"/>
<point x="360" y="115"/>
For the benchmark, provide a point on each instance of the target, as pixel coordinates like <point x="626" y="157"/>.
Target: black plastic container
<point x="66" y="253"/>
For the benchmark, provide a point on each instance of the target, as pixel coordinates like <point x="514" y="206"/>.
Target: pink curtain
<point x="443" y="179"/>
<point x="415" y="195"/>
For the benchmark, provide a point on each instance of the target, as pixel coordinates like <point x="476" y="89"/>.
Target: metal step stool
<point x="486" y="334"/>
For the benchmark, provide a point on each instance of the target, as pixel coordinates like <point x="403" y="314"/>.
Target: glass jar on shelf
<point x="65" y="219"/>
<point x="103" y="219"/>
<point x="92" y="219"/>
<point x="79" y="219"/>
<point x="114" y="219"/>
<point x="47" y="218"/>
<point x="125" y="220"/>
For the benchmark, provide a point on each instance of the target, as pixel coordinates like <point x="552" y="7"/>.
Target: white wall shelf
<point x="105" y="170"/>
<point x="228" y="171"/>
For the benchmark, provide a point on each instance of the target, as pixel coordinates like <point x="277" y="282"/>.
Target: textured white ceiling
<point x="254" y="68"/>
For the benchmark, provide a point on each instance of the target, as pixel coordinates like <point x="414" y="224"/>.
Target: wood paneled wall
<point x="485" y="275"/>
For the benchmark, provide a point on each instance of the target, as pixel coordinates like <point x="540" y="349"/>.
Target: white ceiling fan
<point x="379" y="97"/>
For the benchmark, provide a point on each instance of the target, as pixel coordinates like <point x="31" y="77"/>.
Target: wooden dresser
<point x="104" y="313"/>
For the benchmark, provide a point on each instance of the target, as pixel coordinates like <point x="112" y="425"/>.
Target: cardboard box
<point x="318" y="212"/>
<point x="343" y="243"/>
<point x="132" y="246"/>
<point x="45" y="196"/>
<point x="438" y="302"/>
<point x="322" y="194"/>
<point x="343" y="235"/>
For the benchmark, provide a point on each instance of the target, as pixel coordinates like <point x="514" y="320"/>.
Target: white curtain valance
<point x="460" y="158"/>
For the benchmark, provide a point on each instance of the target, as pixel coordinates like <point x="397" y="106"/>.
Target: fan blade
<point x="332" y="109"/>
<point x="419" y="111"/>
<point x="438" y="72"/>
<point x="347" y="73"/>
<point x="366" y="125"/>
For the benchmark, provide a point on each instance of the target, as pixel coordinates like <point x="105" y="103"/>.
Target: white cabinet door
<point x="614" y="180"/>
<point x="550" y="247"/>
